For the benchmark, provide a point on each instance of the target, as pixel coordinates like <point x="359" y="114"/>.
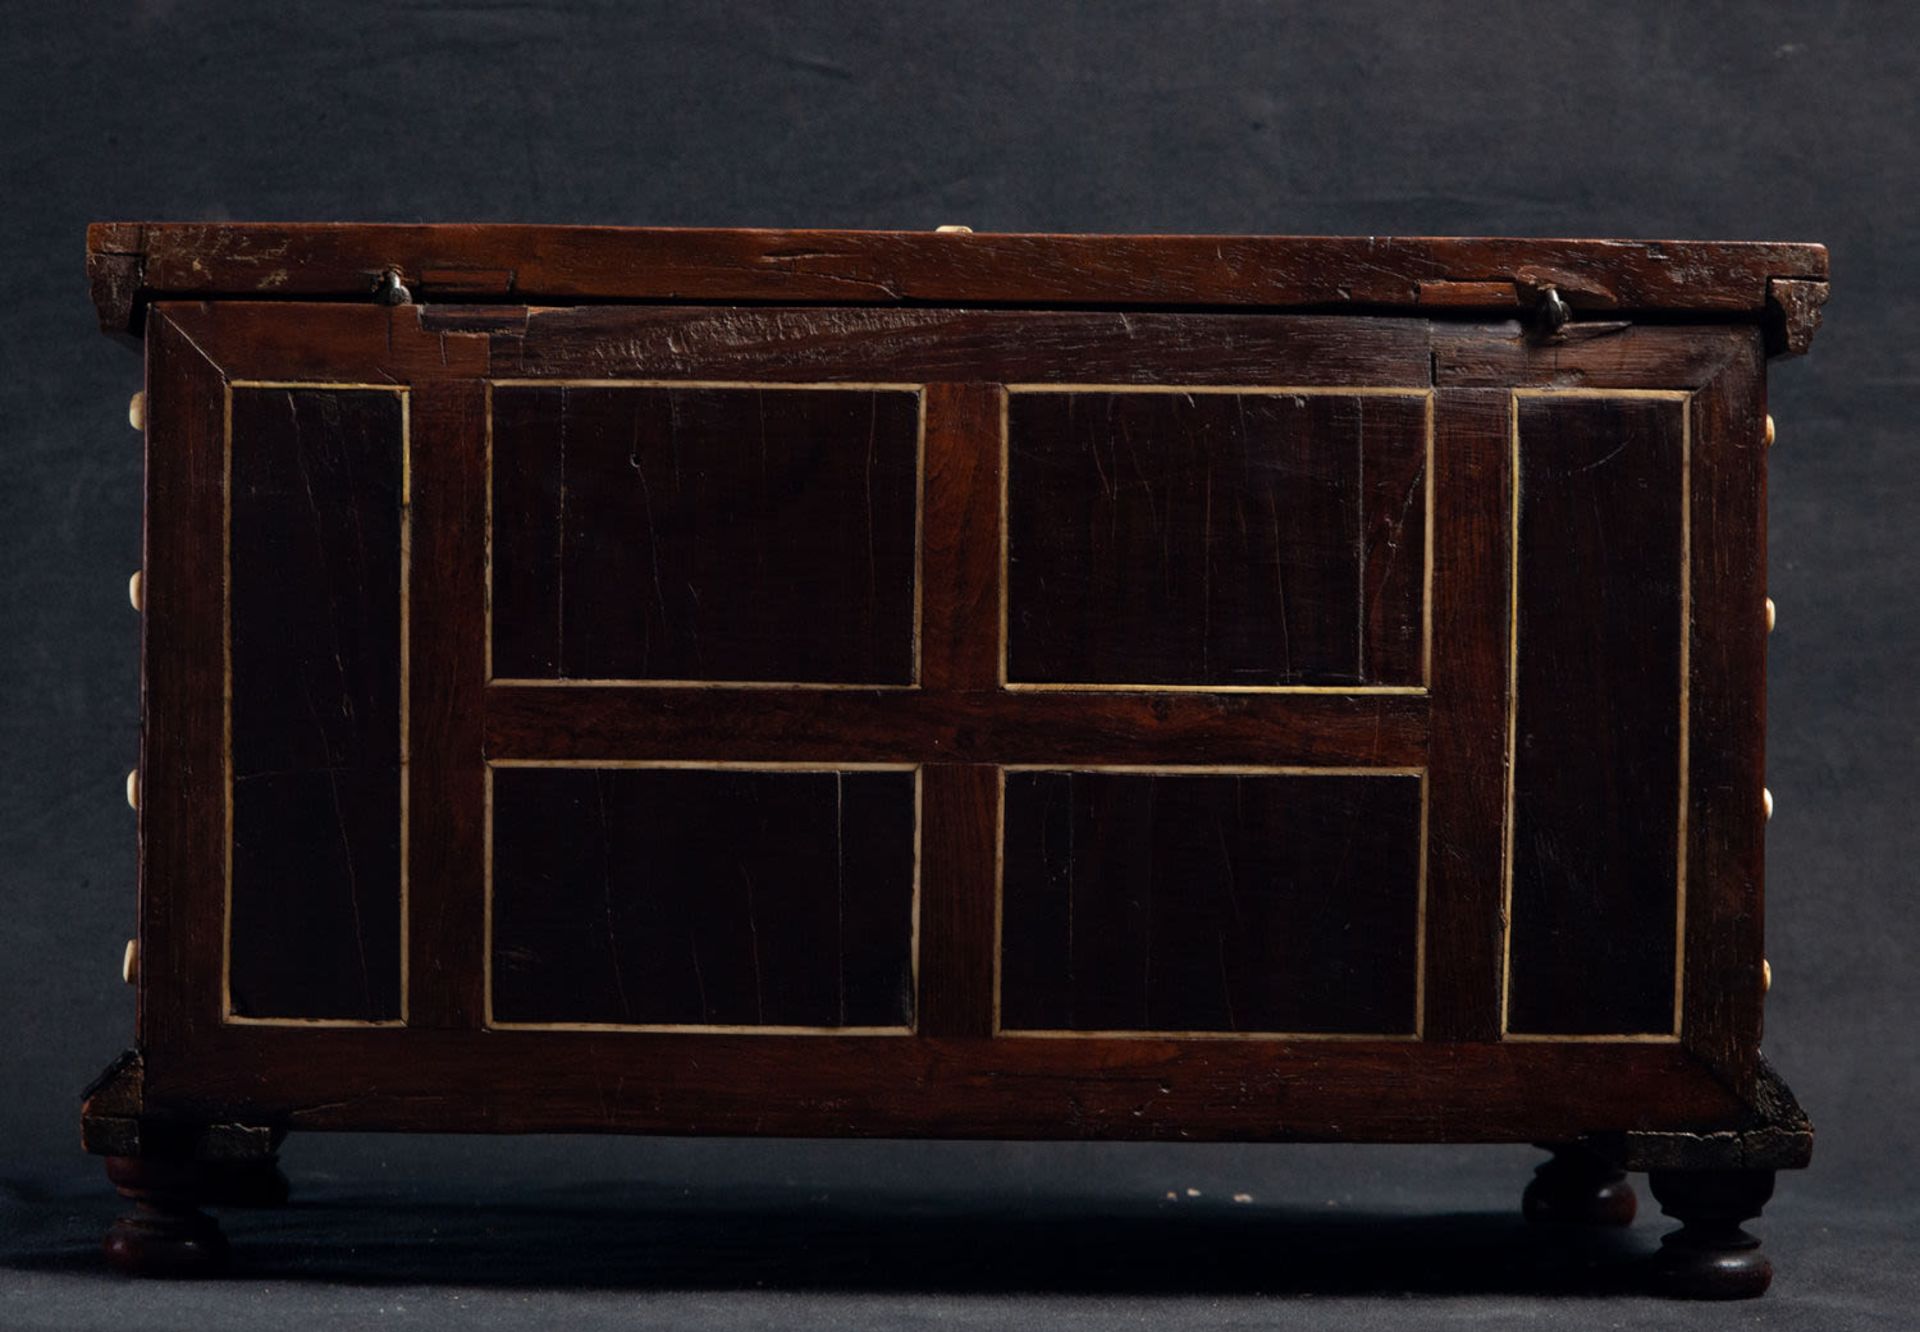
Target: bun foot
<point x="166" y="1242"/>
<point x="166" y="1234"/>
<point x="1710" y="1257"/>
<point x="1576" y="1188"/>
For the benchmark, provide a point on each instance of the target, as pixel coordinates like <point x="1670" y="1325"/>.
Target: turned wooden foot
<point x="1710" y="1257"/>
<point x="166" y="1233"/>
<point x="1576" y="1188"/>
<point x="258" y="1183"/>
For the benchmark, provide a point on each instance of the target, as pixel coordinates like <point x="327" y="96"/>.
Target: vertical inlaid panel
<point x="316" y="633"/>
<point x="1255" y="902"/>
<point x="1216" y="539"/>
<point x="709" y="533"/>
<point x="682" y="896"/>
<point x="1599" y="660"/>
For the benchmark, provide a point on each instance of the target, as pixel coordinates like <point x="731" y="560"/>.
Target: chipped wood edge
<point x="114" y="1121"/>
<point x="1793" y="314"/>
<point x="1777" y="1135"/>
<point x="117" y="275"/>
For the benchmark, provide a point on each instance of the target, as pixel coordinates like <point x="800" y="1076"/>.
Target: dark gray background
<point x="1764" y="120"/>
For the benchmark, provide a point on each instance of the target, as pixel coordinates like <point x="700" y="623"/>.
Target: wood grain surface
<point x="703" y="897"/>
<point x="316" y="596"/>
<point x="1232" y="539"/>
<point x="711" y="533"/>
<point x="1239" y="902"/>
<point x="1599" y="757"/>
<point x="135" y="262"/>
<point x="1304" y="925"/>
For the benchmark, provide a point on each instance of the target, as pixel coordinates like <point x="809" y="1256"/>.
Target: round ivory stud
<point x="130" y="962"/>
<point x="133" y="789"/>
<point x="953" y="229"/>
<point x="1770" y="615"/>
<point x="134" y="590"/>
<point x="137" y="410"/>
<point x="1766" y="801"/>
<point x="1769" y="429"/>
<point x="1766" y="975"/>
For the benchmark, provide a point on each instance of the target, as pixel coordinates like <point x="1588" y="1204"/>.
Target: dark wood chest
<point x="828" y="683"/>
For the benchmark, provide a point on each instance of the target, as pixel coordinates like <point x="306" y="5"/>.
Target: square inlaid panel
<point x="1219" y="902"/>
<point x="703" y="532"/>
<point x="684" y="896"/>
<point x="1217" y="539"/>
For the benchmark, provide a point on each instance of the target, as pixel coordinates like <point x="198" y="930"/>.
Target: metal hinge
<point x="390" y="290"/>
<point x="1553" y="312"/>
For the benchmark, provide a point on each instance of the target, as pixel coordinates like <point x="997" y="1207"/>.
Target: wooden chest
<point x="833" y="683"/>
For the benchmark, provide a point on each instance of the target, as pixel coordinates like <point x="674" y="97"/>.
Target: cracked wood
<point x="316" y="573"/>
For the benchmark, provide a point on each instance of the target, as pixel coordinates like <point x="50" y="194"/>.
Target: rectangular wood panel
<point x="1725" y="942"/>
<point x="959" y="834"/>
<point x="317" y="529"/>
<point x="914" y="725"/>
<point x="1598" y="721"/>
<point x="960" y="634"/>
<point x="446" y="706"/>
<point x="1467" y="739"/>
<point x="1223" y="903"/>
<point x="718" y="533"/>
<point x="934" y="345"/>
<point x="644" y="896"/>
<point x="1138" y="1089"/>
<point x="1237" y="539"/>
